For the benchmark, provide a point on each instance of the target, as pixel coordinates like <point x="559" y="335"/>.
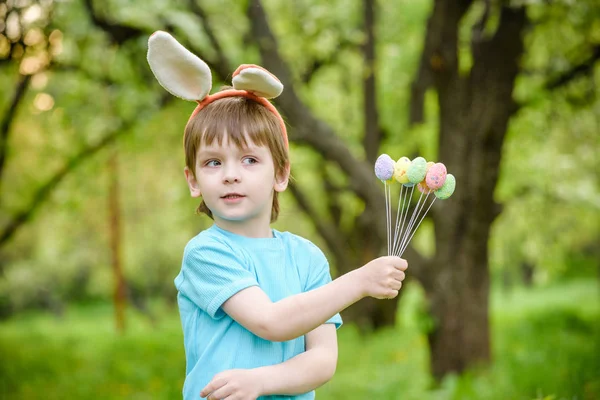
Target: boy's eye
<point x="212" y="163"/>
<point x="249" y="160"/>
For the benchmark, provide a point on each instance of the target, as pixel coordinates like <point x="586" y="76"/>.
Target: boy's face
<point x="237" y="185"/>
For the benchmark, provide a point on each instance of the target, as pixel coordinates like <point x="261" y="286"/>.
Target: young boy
<point x="258" y="308"/>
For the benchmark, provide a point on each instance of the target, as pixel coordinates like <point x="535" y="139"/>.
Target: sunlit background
<point x="95" y="212"/>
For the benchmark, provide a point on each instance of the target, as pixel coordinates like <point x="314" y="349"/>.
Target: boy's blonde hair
<point x="241" y="119"/>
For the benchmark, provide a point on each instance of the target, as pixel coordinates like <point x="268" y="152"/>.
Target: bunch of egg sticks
<point x="428" y="177"/>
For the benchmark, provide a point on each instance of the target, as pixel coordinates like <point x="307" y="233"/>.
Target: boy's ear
<point x="192" y="183"/>
<point x="282" y="180"/>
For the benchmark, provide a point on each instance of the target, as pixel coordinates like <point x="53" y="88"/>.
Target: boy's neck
<point x="242" y="228"/>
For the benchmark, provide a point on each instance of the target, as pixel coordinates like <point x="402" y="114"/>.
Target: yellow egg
<point x="400" y="169"/>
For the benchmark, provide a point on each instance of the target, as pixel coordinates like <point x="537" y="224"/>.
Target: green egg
<point x="417" y="170"/>
<point x="447" y="188"/>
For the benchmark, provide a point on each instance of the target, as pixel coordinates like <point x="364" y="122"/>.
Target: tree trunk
<point x="474" y="115"/>
<point x="527" y="270"/>
<point x="120" y="292"/>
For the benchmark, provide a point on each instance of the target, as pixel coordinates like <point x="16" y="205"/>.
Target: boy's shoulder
<point x="301" y="244"/>
<point x="204" y="240"/>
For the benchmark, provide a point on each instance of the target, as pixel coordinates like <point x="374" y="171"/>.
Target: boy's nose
<point x="231" y="175"/>
<point x="231" y="179"/>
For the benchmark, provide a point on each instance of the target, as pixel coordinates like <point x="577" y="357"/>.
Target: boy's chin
<point x="231" y="218"/>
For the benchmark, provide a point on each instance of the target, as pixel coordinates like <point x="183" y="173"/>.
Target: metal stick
<point x="411" y="223"/>
<point x="399" y="213"/>
<point x="421" y="220"/>
<point x="397" y="244"/>
<point x="387" y="214"/>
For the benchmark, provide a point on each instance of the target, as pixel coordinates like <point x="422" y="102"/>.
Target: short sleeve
<point x="210" y="274"/>
<point x="319" y="275"/>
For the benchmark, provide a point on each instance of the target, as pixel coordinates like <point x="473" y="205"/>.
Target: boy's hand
<point x="382" y="278"/>
<point x="234" y="384"/>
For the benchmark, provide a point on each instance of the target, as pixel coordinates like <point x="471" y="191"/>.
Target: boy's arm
<point x="300" y="374"/>
<point x="307" y="371"/>
<point x="297" y="315"/>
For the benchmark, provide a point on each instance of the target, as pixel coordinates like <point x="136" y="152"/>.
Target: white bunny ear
<point x="257" y="80"/>
<point x="177" y="69"/>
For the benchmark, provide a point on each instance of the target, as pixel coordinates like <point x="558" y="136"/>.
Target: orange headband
<point x="249" y="95"/>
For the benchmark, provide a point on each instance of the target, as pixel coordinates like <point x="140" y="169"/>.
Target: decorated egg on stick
<point x="447" y="188"/>
<point x="417" y="170"/>
<point x="422" y="186"/>
<point x="428" y="177"/>
<point x="400" y="169"/>
<point x="384" y="167"/>
<point x="436" y="176"/>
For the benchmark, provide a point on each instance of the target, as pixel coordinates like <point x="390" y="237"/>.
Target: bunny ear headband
<point x="186" y="76"/>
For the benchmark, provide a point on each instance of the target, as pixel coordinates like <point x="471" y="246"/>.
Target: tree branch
<point x="44" y="191"/>
<point x="62" y="67"/>
<point x="479" y="28"/>
<point x="326" y="230"/>
<point x="330" y="59"/>
<point x="9" y="117"/>
<point x="584" y="68"/>
<point x="118" y="33"/>
<point x="418" y="88"/>
<point x="221" y="65"/>
<point x="12" y="53"/>
<point x="331" y="194"/>
<point x="42" y="194"/>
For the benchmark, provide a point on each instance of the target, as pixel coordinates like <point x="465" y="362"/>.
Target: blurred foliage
<point x="549" y="183"/>
<point x="80" y="354"/>
<point x="550" y="177"/>
<point x="85" y="88"/>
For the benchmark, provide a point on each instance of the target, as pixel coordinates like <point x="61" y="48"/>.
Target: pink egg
<point x="436" y="176"/>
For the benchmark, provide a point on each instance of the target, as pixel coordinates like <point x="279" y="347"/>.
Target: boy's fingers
<point x="396" y="285"/>
<point x="401" y="264"/>
<point x="399" y="275"/>
<point x="210" y="388"/>
<point x="395" y="262"/>
<point x="221" y="393"/>
<point x="205" y="391"/>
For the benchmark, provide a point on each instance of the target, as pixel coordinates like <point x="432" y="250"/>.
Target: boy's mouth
<point x="232" y="196"/>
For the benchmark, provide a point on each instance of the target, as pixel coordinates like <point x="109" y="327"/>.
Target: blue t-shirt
<point x="216" y="265"/>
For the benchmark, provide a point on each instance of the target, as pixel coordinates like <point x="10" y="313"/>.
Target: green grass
<point x="81" y="356"/>
<point x="545" y="346"/>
